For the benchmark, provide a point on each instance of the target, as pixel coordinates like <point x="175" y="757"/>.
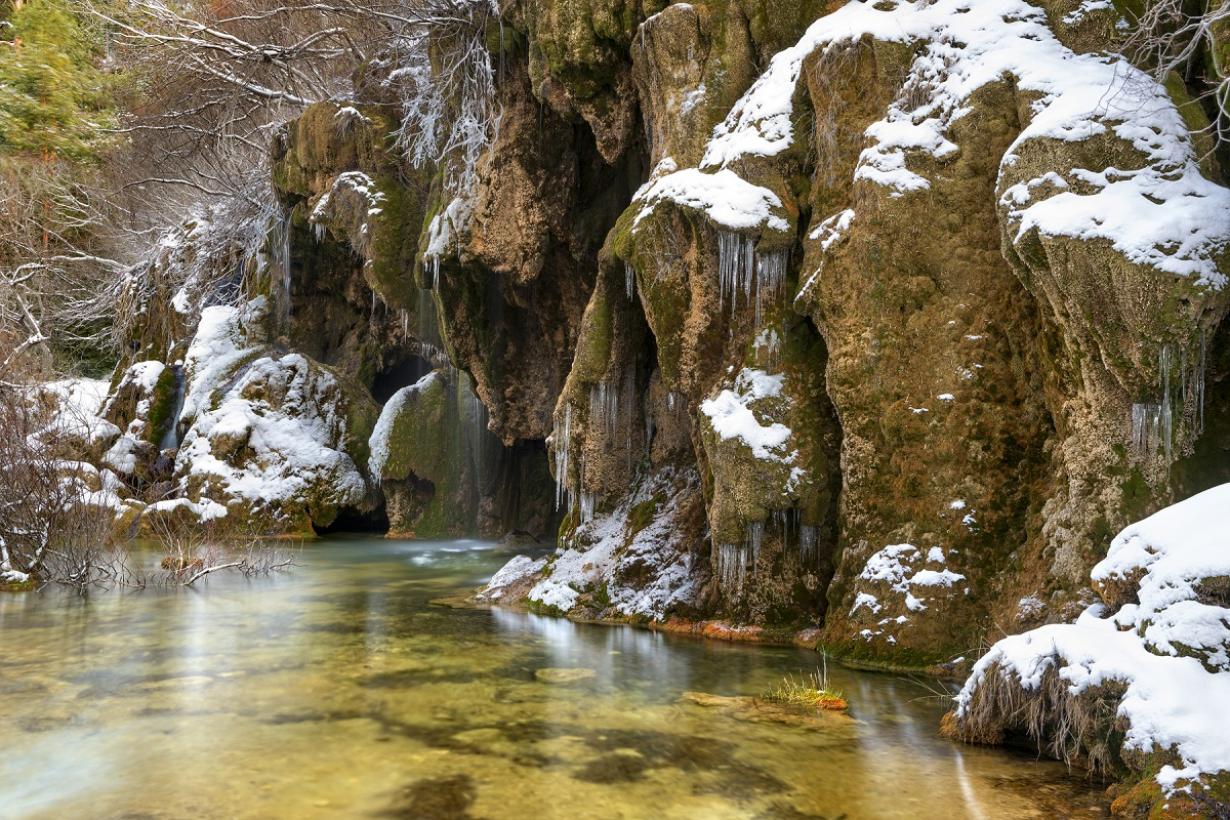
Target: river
<point x="339" y="690"/>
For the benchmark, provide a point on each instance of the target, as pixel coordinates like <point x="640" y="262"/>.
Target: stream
<point x="339" y="690"/>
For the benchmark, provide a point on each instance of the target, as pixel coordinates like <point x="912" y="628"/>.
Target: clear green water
<point x="339" y="691"/>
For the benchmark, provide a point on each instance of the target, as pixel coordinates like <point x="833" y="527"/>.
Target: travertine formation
<point x="875" y="317"/>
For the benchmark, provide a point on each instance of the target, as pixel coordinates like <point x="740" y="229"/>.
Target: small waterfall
<point x="433" y="265"/>
<point x="280" y="273"/>
<point x="480" y="445"/>
<point x="170" y="439"/>
<point x="561" y="438"/>
<point x="427" y="325"/>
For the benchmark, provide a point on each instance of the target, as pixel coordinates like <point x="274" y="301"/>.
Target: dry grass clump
<point x="806" y="692"/>
<point x="1079" y="729"/>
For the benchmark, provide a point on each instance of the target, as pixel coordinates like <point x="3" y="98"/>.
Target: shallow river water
<point x="339" y="691"/>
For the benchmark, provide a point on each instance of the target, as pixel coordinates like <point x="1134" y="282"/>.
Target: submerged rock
<point x="755" y="710"/>
<point x="564" y="675"/>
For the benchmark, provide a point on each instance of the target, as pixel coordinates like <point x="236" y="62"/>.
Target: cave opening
<point x="350" y="519"/>
<point x="403" y="371"/>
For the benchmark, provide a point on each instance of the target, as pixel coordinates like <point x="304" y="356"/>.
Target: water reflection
<point x="340" y="691"/>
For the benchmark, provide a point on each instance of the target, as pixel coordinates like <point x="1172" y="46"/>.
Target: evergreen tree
<point x="54" y="98"/>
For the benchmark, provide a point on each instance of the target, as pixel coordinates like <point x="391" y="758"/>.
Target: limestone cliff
<point x="878" y="318"/>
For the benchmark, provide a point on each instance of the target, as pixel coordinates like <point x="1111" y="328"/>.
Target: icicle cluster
<point x="604" y="405"/>
<point x="732" y="568"/>
<point x="1153" y="423"/>
<point x="758" y="277"/>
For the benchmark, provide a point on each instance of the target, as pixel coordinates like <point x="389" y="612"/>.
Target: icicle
<point x="604" y="405"/>
<point x="754" y="537"/>
<point x="1154" y="423"/>
<point x="741" y="270"/>
<point x="809" y="537"/>
<point x="770" y="276"/>
<point x="736" y="261"/>
<point x="731" y="568"/>
<point x="630" y="280"/>
<point x="587" y="507"/>
<point x="1167" y="420"/>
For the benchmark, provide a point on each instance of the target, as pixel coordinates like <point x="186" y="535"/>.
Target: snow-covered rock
<point x="1160" y="661"/>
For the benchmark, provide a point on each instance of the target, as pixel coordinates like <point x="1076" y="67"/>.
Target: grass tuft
<point x="806" y="692"/>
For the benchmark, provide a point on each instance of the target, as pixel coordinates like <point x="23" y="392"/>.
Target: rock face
<point x="878" y="318"/>
<point x="873" y="318"/>
<point x="897" y="310"/>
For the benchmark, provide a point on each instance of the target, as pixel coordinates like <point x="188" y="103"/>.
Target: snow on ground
<point x="78" y="404"/>
<point x="219" y="345"/>
<point x="267" y="432"/>
<point x="895" y="567"/>
<point x="1164" y="213"/>
<point x="1181" y="558"/>
<point x="604" y="553"/>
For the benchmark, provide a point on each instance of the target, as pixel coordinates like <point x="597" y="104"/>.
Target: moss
<point x="601" y="595"/>
<point x="1138" y="498"/>
<point x="641" y="515"/>
<point x="539" y="608"/>
<point x="161" y="406"/>
<point x="594" y="342"/>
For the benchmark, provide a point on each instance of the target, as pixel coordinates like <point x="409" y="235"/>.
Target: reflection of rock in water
<point x="434" y="798"/>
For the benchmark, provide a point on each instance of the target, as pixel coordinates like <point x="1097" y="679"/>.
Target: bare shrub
<point x="192" y="554"/>
<point x="46" y="532"/>
<point x="1182" y="37"/>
